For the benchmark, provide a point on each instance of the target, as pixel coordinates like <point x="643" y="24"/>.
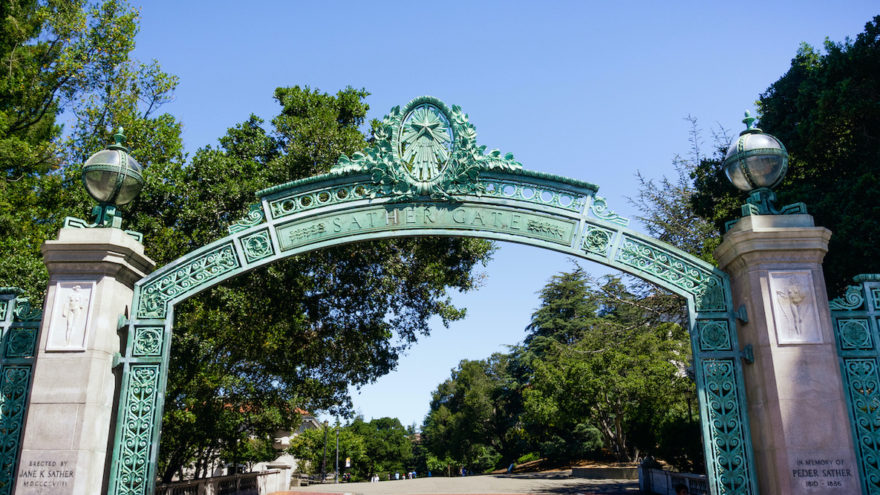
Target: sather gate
<point x="425" y="175"/>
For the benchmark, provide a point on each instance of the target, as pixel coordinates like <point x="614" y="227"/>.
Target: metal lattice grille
<point x="855" y="316"/>
<point x="20" y="326"/>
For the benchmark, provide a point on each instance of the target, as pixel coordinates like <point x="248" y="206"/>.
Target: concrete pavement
<point x="551" y="483"/>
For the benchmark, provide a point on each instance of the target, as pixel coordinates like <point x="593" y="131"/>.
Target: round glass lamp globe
<point x="755" y="160"/>
<point x="112" y="176"/>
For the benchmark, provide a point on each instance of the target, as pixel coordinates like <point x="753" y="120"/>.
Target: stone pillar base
<point x="67" y="433"/>
<point x="799" y="422"/>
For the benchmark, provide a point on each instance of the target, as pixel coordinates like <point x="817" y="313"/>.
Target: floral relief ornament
<point x="425" y="150"/>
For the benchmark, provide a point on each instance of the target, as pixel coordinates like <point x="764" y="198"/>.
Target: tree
<point x="308" y="448"/>
<point x="472" y="417"/>
<point x="387" y="446"/>
<point x="665" y="205"/>
<point x="824" y="109"/>
<point x="301" y="331"/>
<point x="63" y="59"/>
<point x="602" y="366"/>
<point x="379" y="446"/>
<point x="564" y="311"/>
<point x="624" y="368"/>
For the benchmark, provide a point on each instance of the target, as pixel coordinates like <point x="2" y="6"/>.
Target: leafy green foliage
<point x="66" y="57"/>
<point x="602" y="370"/>
<point x="472" y="417"/>
<point x="380" y="446"/>
<point x="626" y="363"/>
<point x="301" y="331"/>
<point x="387" y="445"/>
<point x="825" y="110"/>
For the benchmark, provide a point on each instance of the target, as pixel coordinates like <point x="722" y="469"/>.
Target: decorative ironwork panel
<point x="14" y="388"/>
<point x="854" y="333"/>
<point x="19" y="332"/>
<point x="257" y="246"/>
<point x="187" y="277"/>
<point x="701" y="282"/>
<point x="855" y="330"/>
<point x="863" y="392"/>
<point x="727" y="431"/>
<point x="714" y="335"/>
<point x="133" y="469"/>
<point x="304" y="201"/>
<point x="519" y="190"/>
<point x="147" y="341"/>
<point x="21" y="342"/>
<point x="597" y="240"/>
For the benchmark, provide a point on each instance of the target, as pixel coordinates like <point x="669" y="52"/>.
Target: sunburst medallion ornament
<point x="425" y="150"/>
<point x="425" y="142"/>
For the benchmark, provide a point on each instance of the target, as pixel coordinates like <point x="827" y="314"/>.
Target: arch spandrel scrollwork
<point x="424" y="174"/>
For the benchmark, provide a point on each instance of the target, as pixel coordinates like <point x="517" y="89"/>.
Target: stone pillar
<point x="68" y="431"/>
<point x="800" y="428"/>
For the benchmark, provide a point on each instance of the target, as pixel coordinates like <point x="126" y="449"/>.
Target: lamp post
<point x="324" y="463"/>
<point x="337" y="450"/>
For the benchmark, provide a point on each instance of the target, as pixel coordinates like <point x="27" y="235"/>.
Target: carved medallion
<point x="795" y="313"/>
<point x="425" y="142"/>
<point x="68" y="329"/>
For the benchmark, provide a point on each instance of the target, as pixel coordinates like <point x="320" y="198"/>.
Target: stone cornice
<point x="104" y="251"/>
<point x="792" y="244"/>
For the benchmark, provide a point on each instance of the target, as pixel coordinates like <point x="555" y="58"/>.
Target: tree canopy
<point x="602" y="373"/>
<point x="68" y="81"/>
<point x="246" y="354"/>
<point x="380" y="446"/>
<point x="826" y="111"/>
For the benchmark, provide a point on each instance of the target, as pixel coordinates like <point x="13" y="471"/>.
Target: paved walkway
<point x="553" y="483"/>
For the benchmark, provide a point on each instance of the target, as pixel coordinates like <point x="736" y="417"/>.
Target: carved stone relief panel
<point x="795" y="313"/>
<point x="72" y="308"/>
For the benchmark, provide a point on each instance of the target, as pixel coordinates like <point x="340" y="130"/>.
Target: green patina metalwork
<point x="19" y="327"/>
<point x="425" y="175"/>
<point x="856" y="317"/>
<point x="714" y="335"/>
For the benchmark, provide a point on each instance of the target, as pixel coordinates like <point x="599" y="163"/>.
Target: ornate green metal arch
<point x="425" y="175"/>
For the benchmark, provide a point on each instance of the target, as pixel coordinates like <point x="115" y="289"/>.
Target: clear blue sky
<point x="590" y="90"/>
